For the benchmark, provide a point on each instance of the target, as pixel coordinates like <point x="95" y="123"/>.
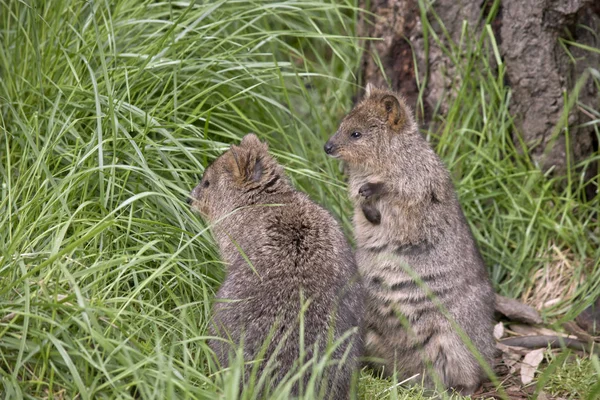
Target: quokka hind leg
<point x="455" y="368"/>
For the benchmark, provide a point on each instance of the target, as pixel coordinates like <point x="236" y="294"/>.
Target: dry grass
<point x="557" y="281"/>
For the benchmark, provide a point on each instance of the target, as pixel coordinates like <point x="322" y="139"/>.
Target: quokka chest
<point x="400" y="280"/>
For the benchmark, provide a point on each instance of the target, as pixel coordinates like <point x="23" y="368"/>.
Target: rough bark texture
<point x="538" y="69"/>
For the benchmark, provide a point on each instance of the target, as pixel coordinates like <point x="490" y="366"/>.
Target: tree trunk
<point x="538" y="69"/>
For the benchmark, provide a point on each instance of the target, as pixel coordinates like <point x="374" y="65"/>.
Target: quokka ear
<point x="257" y="170"/>
<point x="369" y="90"/>
<point x="244" y="165"/>
<point x="251" y="141"/>
<point x="391" y="109"/>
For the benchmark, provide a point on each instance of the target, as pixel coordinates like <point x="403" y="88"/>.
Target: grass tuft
<point x="109" y="112"/>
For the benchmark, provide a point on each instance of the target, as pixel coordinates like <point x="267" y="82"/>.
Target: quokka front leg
<point x="370" y="190"/>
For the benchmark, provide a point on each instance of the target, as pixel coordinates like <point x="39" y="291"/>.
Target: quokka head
<point x="370" y="126"/>
<point x="235" y="179"/>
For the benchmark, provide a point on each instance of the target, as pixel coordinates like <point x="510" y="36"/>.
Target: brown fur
<point x="296" y="250"/>
<point x="422" y="230"/>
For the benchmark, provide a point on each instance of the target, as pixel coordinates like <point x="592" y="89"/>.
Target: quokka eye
<point x="206" y="184"/>
<point x="355" y="135"/>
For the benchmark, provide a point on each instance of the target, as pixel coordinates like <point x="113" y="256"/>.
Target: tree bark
<point x="538" y="69"/>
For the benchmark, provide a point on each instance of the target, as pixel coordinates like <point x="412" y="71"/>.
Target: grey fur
<point x="297" y="250"/>
<point x="421" y="228"/>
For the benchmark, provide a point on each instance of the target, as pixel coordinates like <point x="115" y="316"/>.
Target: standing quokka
<point x="284" y="252"/>
<point x="415" y="250"/>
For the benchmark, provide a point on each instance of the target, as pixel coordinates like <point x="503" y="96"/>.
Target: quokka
<point x="415" y="250"/>
<point x="296" y="250"/>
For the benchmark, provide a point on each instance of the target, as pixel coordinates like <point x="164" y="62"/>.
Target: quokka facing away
<point x="297" y="252"/>
<point x="415" y="250"/>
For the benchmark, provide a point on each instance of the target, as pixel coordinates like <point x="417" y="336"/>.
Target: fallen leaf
<point x="530" y="364"/>
<point x="512" y="365"/>
<point x="511" y="349"/>
<point x="552" y="302"/>
<point x="542" y="396"/>
<point x="499" y="330"/>
<point x="8" y="317"/>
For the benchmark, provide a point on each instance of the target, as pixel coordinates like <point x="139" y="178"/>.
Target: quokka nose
<point x="328" y="148"/>
<point x="189" y="200"/>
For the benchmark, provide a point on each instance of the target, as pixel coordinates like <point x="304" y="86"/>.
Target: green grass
<point x="573" y="378"/>
<point x="109" y="111"/>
